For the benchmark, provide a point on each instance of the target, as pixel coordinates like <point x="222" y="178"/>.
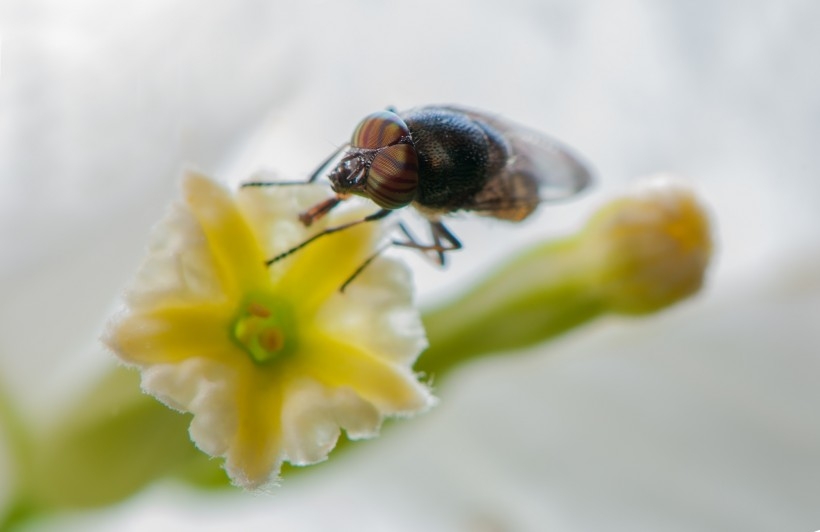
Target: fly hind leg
<point x="443" y="241"/>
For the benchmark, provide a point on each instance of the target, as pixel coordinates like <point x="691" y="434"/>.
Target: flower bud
<point x="653" y="247"/>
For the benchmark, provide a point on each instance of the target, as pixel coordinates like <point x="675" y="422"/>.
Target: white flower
<point x="271" y="361"/>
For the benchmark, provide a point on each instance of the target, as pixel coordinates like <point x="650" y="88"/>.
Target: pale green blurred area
<point x="702" y="418"/>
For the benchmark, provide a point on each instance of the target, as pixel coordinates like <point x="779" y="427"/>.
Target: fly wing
<point x="539" y="169"/>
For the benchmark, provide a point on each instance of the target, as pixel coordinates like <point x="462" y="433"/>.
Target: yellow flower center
<point x="264" y="328"/>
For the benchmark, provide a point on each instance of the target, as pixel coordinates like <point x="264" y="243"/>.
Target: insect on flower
<point x="441" y="160"/>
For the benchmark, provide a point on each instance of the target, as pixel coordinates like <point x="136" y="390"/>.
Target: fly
<point x="441" y="160"/>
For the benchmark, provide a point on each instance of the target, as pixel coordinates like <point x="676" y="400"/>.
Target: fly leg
<point x="413" y="242"/>
<point x="364" y="265"/>
<point x="443" y="241"/>
<point x="313" y="177"/>
<point x="378" y="215"/>
<point x="320" y="209"/>
<point x="316" y="173"/>
<point x="378" y="252"/>
<point x="439" y="232"/>
<point x="313" y="213"/>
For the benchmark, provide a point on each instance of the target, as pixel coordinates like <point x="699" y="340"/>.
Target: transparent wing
<point x="539" y="164"/>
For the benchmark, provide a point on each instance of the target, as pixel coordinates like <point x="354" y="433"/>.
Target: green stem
<point x="18" y="513"/>
<point x="19" y="444"/>
<point x="533" y="298"/>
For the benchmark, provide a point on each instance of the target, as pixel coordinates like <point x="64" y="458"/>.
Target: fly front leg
<point x="320" y="209"/>
<point x="378" y="215"/>
<point x="272" y="183"/>
<point x="322" y="167"/>
<point x="312" y="179"/>
<point x="312" y="214"/>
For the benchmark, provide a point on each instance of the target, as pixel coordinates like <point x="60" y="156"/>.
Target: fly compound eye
<point x="379" y="130"/>
<point x="393" y="176"/>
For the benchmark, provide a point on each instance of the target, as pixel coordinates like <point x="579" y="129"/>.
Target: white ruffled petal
<point x="204" y="388"/>
<point x="178" y="267"/>
<point x="312" y="416"/>
<point x="376" y="312"/>
<point x="273" y="213"/>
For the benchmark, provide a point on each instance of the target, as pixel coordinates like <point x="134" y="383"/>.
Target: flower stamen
<point x="261" y="329"/>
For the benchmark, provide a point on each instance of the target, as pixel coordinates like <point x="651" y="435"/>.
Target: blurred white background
<point x="703" y="418"/>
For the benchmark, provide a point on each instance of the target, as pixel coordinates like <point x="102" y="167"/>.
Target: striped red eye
<point x="393" y="176"/>
<point x="378" y="130"/>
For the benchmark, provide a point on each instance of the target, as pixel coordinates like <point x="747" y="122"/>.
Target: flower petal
<point x="172" y="334"/>
<point x="313" y="414"/>
<point x="239" y="259"/>
<point x="376" y="313"/>
<point x="179" y="268"/>
<point x="273" y="213"/>
<point x="255" y="454"/>
<point x="326" y="265"/>
<point x="392" y="388"/>
<point x="206" y="389"/>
